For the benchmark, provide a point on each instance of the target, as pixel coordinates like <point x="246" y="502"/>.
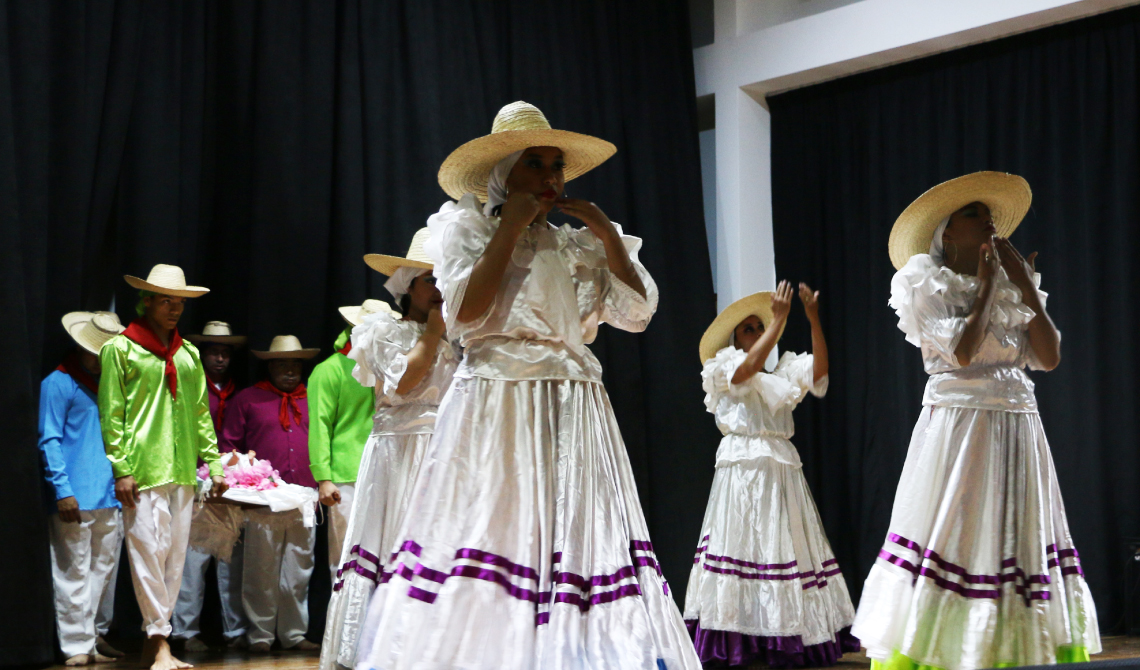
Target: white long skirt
<point x="388" y="469"/>
<point x="765" y="585"/>
<point x="525" y="545"/>
<point x="978" y="568"/>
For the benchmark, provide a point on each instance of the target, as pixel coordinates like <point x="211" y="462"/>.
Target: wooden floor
<point x="1116" y="647"/>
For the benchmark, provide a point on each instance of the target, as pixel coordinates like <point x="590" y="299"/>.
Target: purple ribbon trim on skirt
<point x="717" y="648"/>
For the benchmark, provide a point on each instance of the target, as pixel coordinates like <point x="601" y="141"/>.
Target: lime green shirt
<point x="340" y="418"/>
<point x="147" y="432"/>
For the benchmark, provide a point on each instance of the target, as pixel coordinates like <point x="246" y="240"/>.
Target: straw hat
<point x="91" y="330"/>
<point x="1007" y="195"/>
<point x="285" y="346"/>
<point x="717" y="335"/>
<point x="517" y="126"/>
<point x="217" y="332"/>
<point x="354" y="314"/>
<point x="415" y="258"/>
<point x="167" y="280"/>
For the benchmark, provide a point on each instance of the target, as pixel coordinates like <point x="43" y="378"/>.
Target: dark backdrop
<point x="1060" y="107"/>
<point x="265" y="146"/>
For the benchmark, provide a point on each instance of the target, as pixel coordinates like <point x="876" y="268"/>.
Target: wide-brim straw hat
<point x="518" y="126"/>
<point x="354" y="314"/>
<point x="1007" y="195"/>
<point x="217" y="332"/>
<point x="285" y="346"/>
<point x="717" y="335"/>
<point x="91" y="330"/>
<point x="167" y="280"/>
<point x="415" y="258"/>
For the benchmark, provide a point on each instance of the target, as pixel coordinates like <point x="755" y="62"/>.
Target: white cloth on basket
<point x="526" y="546"/>
<point x="84" y="557"/>
<point x="978" y="532"/>
<point x="158" y="532"/>
<point x="401" y="430"/>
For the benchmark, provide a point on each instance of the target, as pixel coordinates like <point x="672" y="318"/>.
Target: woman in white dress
<point x="765" y="586"/>
<point x="525" y="546"/>
<point x="409" y="362"/>
<point x="978" y="569"/>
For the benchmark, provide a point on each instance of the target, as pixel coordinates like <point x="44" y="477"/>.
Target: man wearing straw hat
<point x="216" y="345"/>
<point x="341" y="414"/>
<point x="155" y="420"/>
<point x="87" y="530"/>
<point x="271" y="418"/>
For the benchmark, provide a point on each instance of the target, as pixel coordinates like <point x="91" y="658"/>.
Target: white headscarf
<point x="937" y="251"/>
<point x="497" y="182"/>
<point x="401" y="281"/>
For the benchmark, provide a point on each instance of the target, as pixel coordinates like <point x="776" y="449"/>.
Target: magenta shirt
<point x="251" y="423"/>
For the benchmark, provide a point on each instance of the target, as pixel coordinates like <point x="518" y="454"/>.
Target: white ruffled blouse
<point x="932" y="302"/>
<point x="556" y="290"/>
<point x="380" y="347"/>
<point x="762" y="405"/>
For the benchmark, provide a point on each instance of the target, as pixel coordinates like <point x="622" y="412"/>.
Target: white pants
<point x="275" y="579"/>
<point x="158" y="532"/>
<point x="338" y="525"/>
<point x="188" y="609"/>
<point x="84" y="557"/>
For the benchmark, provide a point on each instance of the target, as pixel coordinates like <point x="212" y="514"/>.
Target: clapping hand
<point x="782" y="301"/>
<point x="810" y="299"/>
<point x="1020" y="270"/>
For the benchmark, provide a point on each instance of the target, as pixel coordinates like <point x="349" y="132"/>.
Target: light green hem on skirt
<point x="1066" y="653"/>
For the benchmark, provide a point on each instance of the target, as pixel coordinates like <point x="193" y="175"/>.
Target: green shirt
<point x="147" y="432"/>
<point x="340" y="418"/>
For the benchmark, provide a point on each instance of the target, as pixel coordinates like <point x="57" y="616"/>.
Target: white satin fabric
<point x="763" y="566"/>
<point x="979" y="567"/>
<point x="401" y="430"/>
<point x="525" y="545"/>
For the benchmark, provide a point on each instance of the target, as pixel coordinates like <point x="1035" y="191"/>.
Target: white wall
<point x="767" y="46"/>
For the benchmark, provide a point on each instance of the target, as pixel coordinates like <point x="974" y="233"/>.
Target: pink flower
<point x="203" y="471"/>
<point x="258" y="475"/>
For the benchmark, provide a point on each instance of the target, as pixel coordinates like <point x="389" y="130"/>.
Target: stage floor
<point x="1115" y="647"/>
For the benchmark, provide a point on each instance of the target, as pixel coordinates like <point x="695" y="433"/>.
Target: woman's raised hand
<point x="588" y="213"/>
<point x="782" y="301"/>
<point x="435" y="324"/>
<point x="520" y="209"/>
<point x="988" y="262"/>
<point x="810" y="299"/>
<point x="1019" y="270"/>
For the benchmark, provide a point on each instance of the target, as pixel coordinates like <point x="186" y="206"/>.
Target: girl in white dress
<point x="978" y="569"/>
<point x="525" y="545"/>
<point x="765" y="586"/>
<point x="409" y="362"/>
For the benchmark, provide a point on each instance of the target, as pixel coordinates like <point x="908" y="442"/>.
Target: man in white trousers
<point x="86" y="529"/>
<point x="155" y="420"/>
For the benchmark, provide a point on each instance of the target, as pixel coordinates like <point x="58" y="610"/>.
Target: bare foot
<point x="164" y="660"/>
<point x="102" y="647"/>
<point x="304" y="645"/>
<point x="259" y="647"/>
<point x="77" y="660"/>
<point x="100" y="658"/>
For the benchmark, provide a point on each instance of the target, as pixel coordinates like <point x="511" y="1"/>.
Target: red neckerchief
<point x="140" y="333"/>
<point x="73" y="367"/>
<point x="222" y="394"/>
<point x="288" y="402"/>
<point x="346" y="348"/>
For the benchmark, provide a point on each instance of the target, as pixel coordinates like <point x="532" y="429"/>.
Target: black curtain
<point x="265" y="146"/>
<point x="1058" y="106"/>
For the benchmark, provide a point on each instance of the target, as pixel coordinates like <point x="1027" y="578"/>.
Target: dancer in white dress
<point x="525" y="545"/>
<point x="410" y="364"/>
<point x="978" y="569"/>
<point x="765" y="586"/>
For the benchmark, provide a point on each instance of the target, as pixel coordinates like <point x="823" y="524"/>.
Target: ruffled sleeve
<point x="1028" y="355"/>
<point x="380" y="346"/>
<point x="459" y="235"/>
<point x="775" y="390"/>
<point x="602" y="297"/>
<point x="921" y="295"/>
<point x="799" y="370"/>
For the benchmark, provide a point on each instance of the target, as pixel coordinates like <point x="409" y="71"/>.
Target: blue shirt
<point x="71" y="443"/>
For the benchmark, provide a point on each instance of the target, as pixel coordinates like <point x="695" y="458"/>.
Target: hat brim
<point x="74" y="322"/>
<point x="717" y="335"/>
<point x="1007" y="195"/>
<point x="303" y="354"/>
<point x="232" y="340"/>
<point x="184" y="292"/>
<point x="467" y="169"/>
<point x="387" y="265"/>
